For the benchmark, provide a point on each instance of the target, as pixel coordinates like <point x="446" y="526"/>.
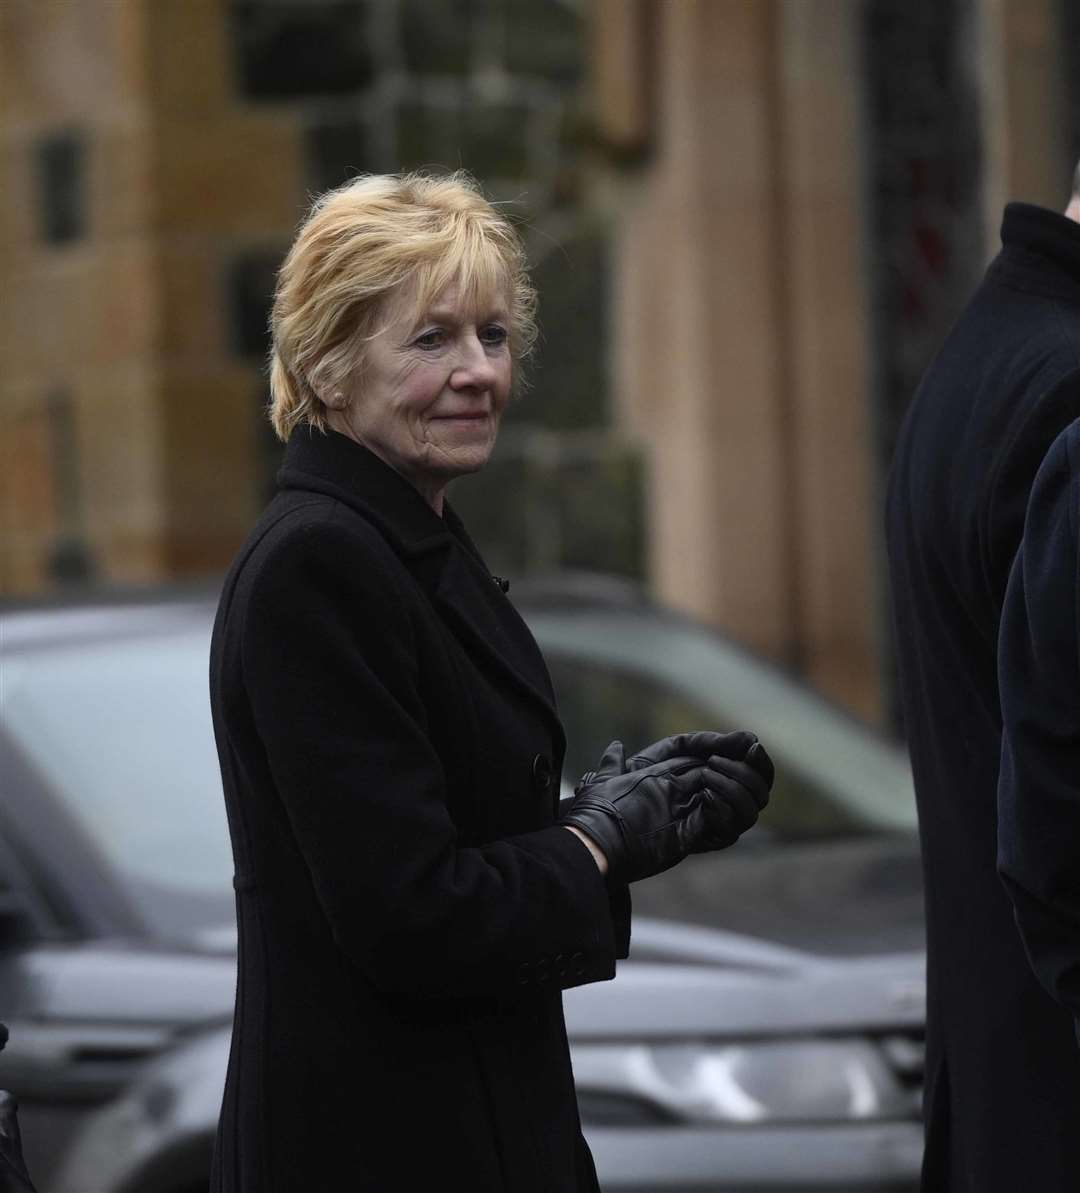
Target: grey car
<point x="766" y="1031"/>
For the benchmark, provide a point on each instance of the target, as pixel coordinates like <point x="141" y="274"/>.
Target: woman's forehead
<point x="468" y="298"/>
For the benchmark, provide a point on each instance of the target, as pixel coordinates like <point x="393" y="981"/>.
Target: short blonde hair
<point x="357" y="247"/>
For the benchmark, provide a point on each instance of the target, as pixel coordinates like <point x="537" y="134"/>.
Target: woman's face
<point x="432" y="391"/>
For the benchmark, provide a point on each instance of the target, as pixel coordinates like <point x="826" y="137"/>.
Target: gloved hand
<point x="649" y="812"/>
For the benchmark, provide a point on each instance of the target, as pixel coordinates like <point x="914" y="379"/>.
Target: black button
<point x="524" y="973"/>
<point x="542" y="773"/>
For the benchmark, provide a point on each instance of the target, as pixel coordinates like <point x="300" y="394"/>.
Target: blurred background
<point x="750" y="222"/>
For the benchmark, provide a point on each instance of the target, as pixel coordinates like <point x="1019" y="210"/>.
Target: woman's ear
<point x="335" y="399"/>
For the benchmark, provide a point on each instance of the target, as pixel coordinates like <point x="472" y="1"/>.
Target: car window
<point x="598" y="703"/>
<point x="121" y="732"/>
<point x="622" y="673"/>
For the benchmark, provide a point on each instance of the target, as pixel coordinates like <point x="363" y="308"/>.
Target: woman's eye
<point x="494" y="334"/>
<point x="431" y="339"/>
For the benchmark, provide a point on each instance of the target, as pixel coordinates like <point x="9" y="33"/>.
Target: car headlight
<point x="789" y="1081"/>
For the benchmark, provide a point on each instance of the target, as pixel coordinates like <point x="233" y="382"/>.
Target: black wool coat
<point x="408" y="911"/>
<point x="1002" y="1098"/>
<point x="1039" y="675"/>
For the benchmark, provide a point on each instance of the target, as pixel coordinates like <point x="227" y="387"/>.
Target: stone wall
<point x="156" y="158"/>
<point x="495" y="87"/>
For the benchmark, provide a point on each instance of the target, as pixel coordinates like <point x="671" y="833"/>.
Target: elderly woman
<point x="411" y="898"/>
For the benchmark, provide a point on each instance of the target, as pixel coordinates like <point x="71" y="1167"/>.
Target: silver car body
<point x="724" y="1055"/>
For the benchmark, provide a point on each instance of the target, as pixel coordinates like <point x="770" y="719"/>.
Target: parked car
<point x="765" y="1032"/>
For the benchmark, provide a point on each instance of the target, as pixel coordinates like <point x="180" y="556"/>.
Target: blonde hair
<point x="359" y="244"/>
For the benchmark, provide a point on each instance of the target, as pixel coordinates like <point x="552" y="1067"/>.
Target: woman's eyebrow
<point x="453" y="316"/>
<point x="440" y="315"/>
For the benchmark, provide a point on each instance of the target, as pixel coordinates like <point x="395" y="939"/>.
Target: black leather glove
<point x="13" y="1175"/>
<point x="649" y="812"/>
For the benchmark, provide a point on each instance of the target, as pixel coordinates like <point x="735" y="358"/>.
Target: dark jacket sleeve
<point x="618" y="900"/>
<point x="330" y="670"/>
<point x="1039" y="675"/>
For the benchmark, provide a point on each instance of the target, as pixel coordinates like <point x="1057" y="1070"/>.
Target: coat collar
<point x="437" y="551"/>
<point x="336" y="465"/>
<point x="1044" y="247"/>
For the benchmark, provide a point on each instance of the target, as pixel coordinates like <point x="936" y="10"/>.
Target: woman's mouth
<point x="462" y="420"/>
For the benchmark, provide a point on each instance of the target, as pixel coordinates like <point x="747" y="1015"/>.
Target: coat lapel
<point x="437" y="551"/>
<point x="492" y="630"/>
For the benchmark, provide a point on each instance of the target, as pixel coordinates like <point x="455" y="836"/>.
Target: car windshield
<point x="640" y="678"/>
<point x="833" y="864"/>
<point x="597" y="703"/>
<point x="120" y="729"/>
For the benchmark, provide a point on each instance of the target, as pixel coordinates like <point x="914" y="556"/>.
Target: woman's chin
<point x="463" y="458"/>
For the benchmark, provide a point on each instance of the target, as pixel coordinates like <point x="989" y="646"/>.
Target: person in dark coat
<point x="1039" y="666"/>
<point x="1002" y="1096"/>
<point x="411" y="897"/>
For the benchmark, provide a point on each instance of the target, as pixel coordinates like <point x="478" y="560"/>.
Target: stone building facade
<point x="749" y="221"/>
<point x="157" y="156"/>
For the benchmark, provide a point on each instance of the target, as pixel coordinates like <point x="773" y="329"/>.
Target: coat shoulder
<point x="314" y="551"/>
<point x="1057" y="482"/>
<point x="307" y="534"/>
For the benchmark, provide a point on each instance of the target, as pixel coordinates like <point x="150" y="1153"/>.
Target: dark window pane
<point x="62" y="187"/>
<point x="298" y="47"/>
<point x="1070" y="26"/>
<point x="568" y="373"/>
<point x="543" y="37"/>
<point x="496" y="140"/>
<point x="429" y="135"/>
<point x="923" y="176"/>
<point x="251" y="291"/>
<point x="337" y="152"/>
<point x="435" y="35"/>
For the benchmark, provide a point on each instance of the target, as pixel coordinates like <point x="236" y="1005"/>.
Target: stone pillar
<point x="822" y="275"/>
<point x="696" y="359"/>
<point x="81" y="469"/>
<point x="740" y="339"/>
<point x="133" y="171"/>
<point x="1021" y="70"/>
<point x="227" y="177"/>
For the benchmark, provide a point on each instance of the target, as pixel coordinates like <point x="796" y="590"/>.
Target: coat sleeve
<point x="1012" y="472"/>
<point x="330" y="671"/>
<point x="1039" y="677"/>
<point x="618" y="900"/>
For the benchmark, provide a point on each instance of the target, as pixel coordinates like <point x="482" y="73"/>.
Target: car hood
<point x="854" y="897"/>
<point x="724" y="926"/>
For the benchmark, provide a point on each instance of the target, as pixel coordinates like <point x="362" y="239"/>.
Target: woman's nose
<point x="474" y="368"/>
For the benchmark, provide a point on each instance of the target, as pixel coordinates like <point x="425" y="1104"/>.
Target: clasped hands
<point x="690" y="793"/>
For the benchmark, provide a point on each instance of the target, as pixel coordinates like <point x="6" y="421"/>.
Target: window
<point x="294" y="48"/>
<point x="61" y="170"/>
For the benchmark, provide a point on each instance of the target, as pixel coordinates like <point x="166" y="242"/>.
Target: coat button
<point x="524" y="973"/>
<point x="541" y="774"/>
